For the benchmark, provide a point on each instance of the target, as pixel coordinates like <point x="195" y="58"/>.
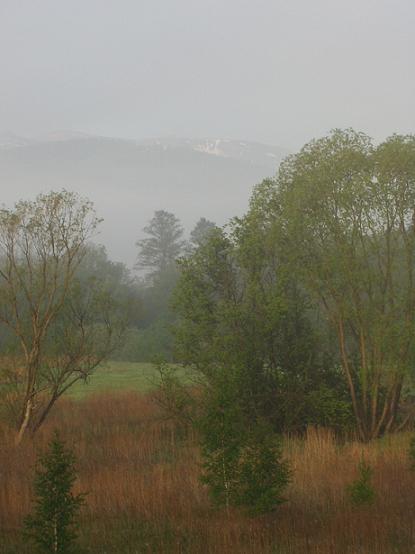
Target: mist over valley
<point x="127" y="180"/>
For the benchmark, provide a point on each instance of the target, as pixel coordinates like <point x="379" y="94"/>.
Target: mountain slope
<point x="128" y="180"/>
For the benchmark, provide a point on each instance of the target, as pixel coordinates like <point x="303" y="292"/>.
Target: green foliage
<point x="361" y="491"/>
<point x="53" y="525"/>
<point x="174" y="395"/>
<point x="242" y="463"/>
<point x="343" y="209"/>
<point x="325" y="407"/>
<point x="146" y="344"/>
<point x="241" y="310"/>
<point x="263" y="475"/>
<point x="221" y="427"/>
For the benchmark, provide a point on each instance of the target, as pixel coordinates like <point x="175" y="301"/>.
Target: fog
<point x="270" y="71"/>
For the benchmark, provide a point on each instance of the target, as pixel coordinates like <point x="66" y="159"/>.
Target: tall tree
<point x="345" y="210"/>
<point x="241" y="311"/>
<point x="159" y="251"/>
<point x="201" y="232"/>
<point x="60" y="330"/>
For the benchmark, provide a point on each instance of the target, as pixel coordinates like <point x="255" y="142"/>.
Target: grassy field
<point x="119" y="376"/>
<point x="142" y="472"/>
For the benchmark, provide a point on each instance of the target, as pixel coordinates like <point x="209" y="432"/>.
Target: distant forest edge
<point x="128" y="180"/>
<point x="298" y="313"/>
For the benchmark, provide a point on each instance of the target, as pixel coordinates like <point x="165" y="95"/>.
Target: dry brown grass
<point x="144" y="494"/>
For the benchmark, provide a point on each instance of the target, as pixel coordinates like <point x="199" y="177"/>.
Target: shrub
<point x="242" y="458"/>
<point x="262" y="473"/>
<point x="361" y="491"/>
<point x="221" y="428"/>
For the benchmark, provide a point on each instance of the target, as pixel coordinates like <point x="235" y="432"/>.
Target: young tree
<point x="221" y="428"/>
<point x="242" y="456"/>
<point x="60" y="330"/>
<point x="361" y="491"/>
<point x="263" y="473"/>
<point x="159" y="251"/>
<point x="53" y="525"/>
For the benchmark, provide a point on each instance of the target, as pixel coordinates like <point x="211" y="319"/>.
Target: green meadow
<point x="120" y="376"/>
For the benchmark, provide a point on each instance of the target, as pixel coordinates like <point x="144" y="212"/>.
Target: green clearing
<point x="120" y="376"/>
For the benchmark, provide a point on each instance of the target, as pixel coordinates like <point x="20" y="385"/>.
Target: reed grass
<point x="144" y="495"/>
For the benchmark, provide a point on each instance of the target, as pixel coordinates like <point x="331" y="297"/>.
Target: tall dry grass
<point x="144" y="495"/>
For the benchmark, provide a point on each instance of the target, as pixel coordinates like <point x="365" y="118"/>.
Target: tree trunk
<point x="25" y="420"/>
<point x="44" y="414"/>
<point x="345" y="363"/>
<point x="29" y="400"/>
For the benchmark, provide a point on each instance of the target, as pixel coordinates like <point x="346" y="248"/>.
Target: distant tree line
<point x="299" y="313"/>
<point x="151" y="335"/>
<point x="304" y="306"/>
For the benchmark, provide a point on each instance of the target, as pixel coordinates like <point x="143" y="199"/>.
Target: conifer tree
<point x="162" y="246"/>
<point x="52" y="527"/>
<point x="201" y="232"/>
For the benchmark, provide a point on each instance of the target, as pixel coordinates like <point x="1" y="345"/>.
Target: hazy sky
<point x="277" y="71"/>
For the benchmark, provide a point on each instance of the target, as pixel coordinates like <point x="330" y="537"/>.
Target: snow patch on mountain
<point x="209" y="147"/>
<point x="251" y="153"/>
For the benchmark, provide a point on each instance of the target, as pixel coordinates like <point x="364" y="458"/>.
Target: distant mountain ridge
<point x="251" y="152"/>
<point x="248" y="151"/>
<point x="11" y="140"/>
<point x="129" y="179"/>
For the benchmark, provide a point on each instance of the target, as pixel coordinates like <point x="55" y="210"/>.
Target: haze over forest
<point x="129" y="180"/>
<point x="242" y="74"/>
<point x="207" y="292"/>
